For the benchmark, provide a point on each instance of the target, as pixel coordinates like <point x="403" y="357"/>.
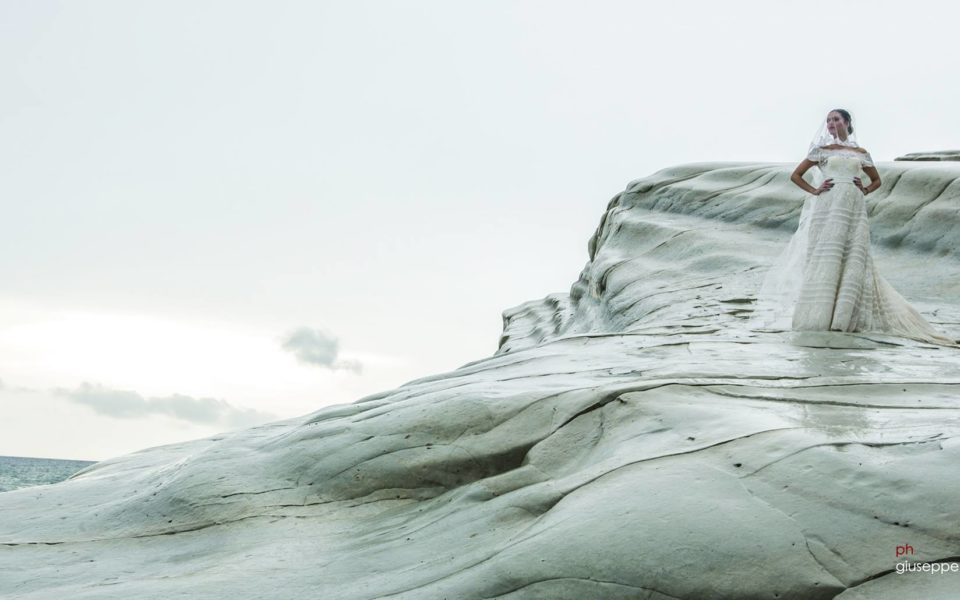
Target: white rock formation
<point x="939" y="155"/>
<point x="631" y="439"/>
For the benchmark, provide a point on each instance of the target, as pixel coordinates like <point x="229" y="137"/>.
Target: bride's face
<point x="836" y="125"/>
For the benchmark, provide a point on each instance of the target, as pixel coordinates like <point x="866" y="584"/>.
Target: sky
<point x="217" y="214"/>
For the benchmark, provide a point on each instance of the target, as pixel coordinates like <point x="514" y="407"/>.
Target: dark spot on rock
<point x="738" y="465"/>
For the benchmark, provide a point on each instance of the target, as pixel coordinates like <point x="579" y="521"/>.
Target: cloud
<point x="315" y="347"/>
<point x="312" y="346"/>
<point x="127" y="404"/>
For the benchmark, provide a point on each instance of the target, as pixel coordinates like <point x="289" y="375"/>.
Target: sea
<point x="18" y="472"/>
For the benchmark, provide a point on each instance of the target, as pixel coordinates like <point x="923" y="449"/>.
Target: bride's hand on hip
<point x="857" y="182"/>
<point x="826" y="185"/>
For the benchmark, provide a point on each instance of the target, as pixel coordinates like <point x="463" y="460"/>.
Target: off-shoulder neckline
<point x="857" y="150"/>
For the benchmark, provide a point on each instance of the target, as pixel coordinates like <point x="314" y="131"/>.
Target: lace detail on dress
<point x="820" y="155"/>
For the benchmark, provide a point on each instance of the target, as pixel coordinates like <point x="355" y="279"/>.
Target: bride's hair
<point x="846" y="117"/>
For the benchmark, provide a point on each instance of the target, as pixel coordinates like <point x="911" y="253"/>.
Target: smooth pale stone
<point x="632" y="438"/>
<point x="939" y="155"/>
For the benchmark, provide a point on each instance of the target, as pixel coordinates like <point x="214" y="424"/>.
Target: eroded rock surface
<point x="938" y="155"/>
<point x="635" y="438"/>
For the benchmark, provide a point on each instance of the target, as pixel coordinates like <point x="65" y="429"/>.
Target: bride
<point x="825" y="280"/>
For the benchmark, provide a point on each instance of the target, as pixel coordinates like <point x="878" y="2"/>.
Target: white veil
<point x="781" y="285"/>
<point x="833" y="133"/>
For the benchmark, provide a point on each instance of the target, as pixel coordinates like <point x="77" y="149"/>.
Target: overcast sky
<point x="217" y="214"/>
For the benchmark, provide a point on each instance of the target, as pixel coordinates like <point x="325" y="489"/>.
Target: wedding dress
<point x="825" y="280"/>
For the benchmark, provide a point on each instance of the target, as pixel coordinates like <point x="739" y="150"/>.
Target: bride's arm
<point x="797" y="178"/>
<point x="874" y="176"/>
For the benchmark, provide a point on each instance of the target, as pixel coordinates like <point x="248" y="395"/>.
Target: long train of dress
<point x="827" y="276"/>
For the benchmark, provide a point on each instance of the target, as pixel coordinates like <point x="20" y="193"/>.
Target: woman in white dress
<point x="826" y="276"/>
